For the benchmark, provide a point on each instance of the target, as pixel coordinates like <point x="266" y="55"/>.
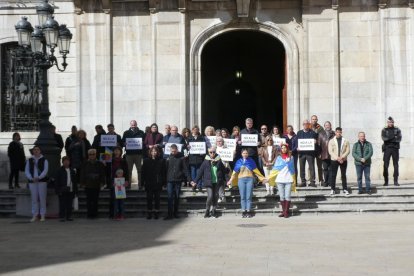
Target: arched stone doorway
<point x="292" y="98"/>
<point x="243" y="75"/>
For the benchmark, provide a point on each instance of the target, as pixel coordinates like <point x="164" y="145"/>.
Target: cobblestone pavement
<point x="335" y="244"/>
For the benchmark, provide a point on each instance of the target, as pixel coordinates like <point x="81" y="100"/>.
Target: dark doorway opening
<point x="243" y="75"/>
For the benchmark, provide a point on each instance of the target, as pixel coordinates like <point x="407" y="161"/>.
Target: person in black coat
<point x="66" y="188"/>
<point x="72" y="137"/>
<point x="58" y="138"/>
<point x="195" y="160"/>
<point x="213" y="172"/>
<point x="15" y="151"/>
<point x="153" y="177"/>
<point x="176" y="174"/>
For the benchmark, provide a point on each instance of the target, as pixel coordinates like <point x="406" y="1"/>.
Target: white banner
<point x="197" y="148"/>
<point x="230" y="143"/>
<point x="108" y="140"/>
<point x="306" y="144"/>
<point x="226" y="154"/>
<point x="167" y="149"/>
<point x="133" y="143"/>
<point x="119" y="188"/>
<point x="211" y="141"/>
<point x="249" y="139"/>
<point x="279" y="141"/>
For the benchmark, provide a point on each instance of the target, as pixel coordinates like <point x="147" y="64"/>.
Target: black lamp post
<point x="43" y="41"/>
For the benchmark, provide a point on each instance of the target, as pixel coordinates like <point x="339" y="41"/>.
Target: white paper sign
<point x="230" y="143"/>
<point x="279" y="141"/>
<point x="306" y="144"/>
<point x="133" y="143"/>
<point x="119" y="188"/>
<point x="167" y="149"/>
<point x="211" y="141"/>
<point x="108" y="140"/>
<point x="226" y="154"/>
<point x="197" y="148"/>
<point x="249" y="139"/>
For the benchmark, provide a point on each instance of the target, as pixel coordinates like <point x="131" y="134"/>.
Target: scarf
<point x="213" y="161"/>
<point x="248" y="163"/>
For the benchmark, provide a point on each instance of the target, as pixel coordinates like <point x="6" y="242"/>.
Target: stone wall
<point x="351" y="65"/>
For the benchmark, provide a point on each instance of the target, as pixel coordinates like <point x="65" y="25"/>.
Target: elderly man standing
<point x="323" y="140"/>
<point x="134" y="156"/>
<point x="391" y="136"/>
<point x="339" y="150"/>
<point x="252" y="150"/>
<point x="307" y="155"/>
<point x="173" y="138"/>
<point x="362" y="152"/>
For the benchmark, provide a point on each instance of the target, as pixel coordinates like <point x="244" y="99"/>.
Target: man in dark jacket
<point x="391" y="136"/>
<point x="58" y="138"/>
<point x="66" y="188"/>
<point x="96" y="144"/>
<point x="323" y="140"/>
<point x="69" y="140"/>
<point x="307" y="155"/>
<point x="176" y="174"/>
<point x="134" y="156"/>
<point x="252" y="150"/>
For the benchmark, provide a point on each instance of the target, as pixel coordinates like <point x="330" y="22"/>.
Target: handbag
<point x="75" y="203"/>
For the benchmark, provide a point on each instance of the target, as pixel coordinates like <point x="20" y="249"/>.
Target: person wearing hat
<point x="391" y="136"/>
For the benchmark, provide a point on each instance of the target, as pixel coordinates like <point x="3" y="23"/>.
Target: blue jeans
<point x="194" y="170"/>
<point x="173" y="190"/>
<point x="284" y="190"/>
<point x="246" y="192"/>
<point x="119" y="207"/>
<point x="366" y="170"/>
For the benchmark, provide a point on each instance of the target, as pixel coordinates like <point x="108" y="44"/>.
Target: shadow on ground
<point x="25" y="245"/>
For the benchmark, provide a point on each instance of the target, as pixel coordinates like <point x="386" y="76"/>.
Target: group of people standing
<point x="271" y="160"/>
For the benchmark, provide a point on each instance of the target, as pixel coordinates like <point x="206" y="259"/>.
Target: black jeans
<point x="388" y="153"/>
<point x="326" y="168"/>
<point x="14" y="173"/>
<point x="320" y="169"/>
<point x="92" y="199"/>
<point x="65" y="205"/>
<point x="153" y="196"/>
<point x="334" y="172"/>
<point x="212" y="196"/>
<point x="311" y="162"/>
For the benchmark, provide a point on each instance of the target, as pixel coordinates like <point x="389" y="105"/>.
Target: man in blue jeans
<point x="177" y="172"/>
<point x="362" y="152"/>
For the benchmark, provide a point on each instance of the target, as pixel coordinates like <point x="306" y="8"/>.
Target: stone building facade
<point x="348" y="61"/>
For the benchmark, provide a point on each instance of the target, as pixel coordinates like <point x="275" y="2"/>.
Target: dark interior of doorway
<point x="243" y="75"/>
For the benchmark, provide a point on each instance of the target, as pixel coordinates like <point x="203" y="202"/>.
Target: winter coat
<point x="78" y="151"/>
<point x="176" y="169"/>
<point x="92" y="174"/>
<point x="130" y="133"/>
<point x="61" y="181"/>
<point x="204" y="172"/>
<point x="17" y="158"/>
<point x="323" y="140"/>
<point x="367" y="153"/>
<point x="196" y="159"/>
<point x="154" y="174"/>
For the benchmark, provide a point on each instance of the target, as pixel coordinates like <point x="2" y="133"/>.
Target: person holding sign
<point x="306" y="150"/>
<point x="173" y="138"/>
<point x="283" y="173"/>
<point x="109" y="141"/>
<point x="339" y="150"/>
<point x="212" y="172"/>
<point x="134" y="156"/>
<point x="250" y="144"/>
<point x="221" y="151"/>
<point x="269" y="154"/>
<point x="119" y="193"/>
<point x="153" y="177"/>
<point x="177" y="172"/>
<point x="243" y="174"/>
<point x="197" y="148"/>
<point x="118" y="163"/>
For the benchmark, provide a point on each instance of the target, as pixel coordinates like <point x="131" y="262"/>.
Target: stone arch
<point x="292" y="72"/>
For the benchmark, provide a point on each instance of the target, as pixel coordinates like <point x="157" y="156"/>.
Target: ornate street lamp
<point x="42" y="42"/>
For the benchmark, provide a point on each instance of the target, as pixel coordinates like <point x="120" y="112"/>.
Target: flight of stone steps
<point x="305" y="201"/>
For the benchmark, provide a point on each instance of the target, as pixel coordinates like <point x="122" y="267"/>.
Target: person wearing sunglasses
<point x="212" y="172"/>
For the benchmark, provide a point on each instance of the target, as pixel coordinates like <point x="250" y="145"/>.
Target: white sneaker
<point x="220" y="200"/>
<point x="42" y="218"/>
<point x="332" y="192"/>
<point x="33" y="219"/>
<point x="346" y="192"/>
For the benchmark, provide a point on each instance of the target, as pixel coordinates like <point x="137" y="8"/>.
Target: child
<point x="119" y="202"/>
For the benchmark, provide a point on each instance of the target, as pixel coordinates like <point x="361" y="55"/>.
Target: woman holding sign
<point x="197" y="148"/>
<point x="283" y="173"/>
<point x="244" y="171"/>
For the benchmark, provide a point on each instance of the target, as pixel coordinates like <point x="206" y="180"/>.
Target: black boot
<point x="149" y="214"/>
<point x="385" y="181"/>
<point x="396" y="182"/>
<point x="207" y="214"/>
<point x="213" y="213"/>
<point x="155" y="214"/>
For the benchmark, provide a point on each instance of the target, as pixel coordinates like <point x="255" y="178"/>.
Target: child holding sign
<point x="120" y="194"/>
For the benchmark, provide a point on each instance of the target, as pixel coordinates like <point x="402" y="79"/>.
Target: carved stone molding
<point x="78" y="7"/>
<point x="153" y="6"/>
<point x="335" y="4"/>
<point x="243" y="8"/>
<point x="382" y="4"/>
<point x="107" y="6"/>
<point x="411" y="4"/>
<point x="182" y="6"/>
